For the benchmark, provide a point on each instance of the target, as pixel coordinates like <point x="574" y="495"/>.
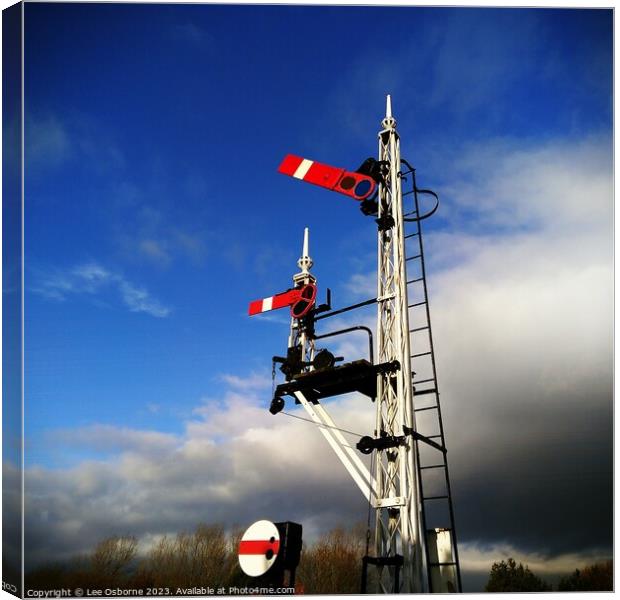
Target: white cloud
<point x="279" y="318"/>
<point x="255" y="381"/>
<point x="233" y="462"/>
<point x="139" y="300"/>
<point x="93" y="279"/>
<point x="150" y="237"/>
<point x="107" y="438"/>
<point x="47" y="141"/>
<point x="560" y="187"/>
<point x="52" y="141"/>
<point x="539" y="296"/>
<point x="192" y="245"/>
<point x="155" y="250"/>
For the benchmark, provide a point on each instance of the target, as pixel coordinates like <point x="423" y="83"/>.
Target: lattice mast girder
<point x="397" y="521"/>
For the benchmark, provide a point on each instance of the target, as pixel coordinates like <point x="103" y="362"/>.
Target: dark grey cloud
<point x="12" y="517"/>
<point x="546" y="488"/>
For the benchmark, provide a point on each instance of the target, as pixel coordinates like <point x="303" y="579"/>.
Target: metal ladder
<point x="434" y="481"/>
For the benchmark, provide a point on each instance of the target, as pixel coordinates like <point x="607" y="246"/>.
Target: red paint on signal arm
<point x="288" y="298"/>
<point x="289" y="165"/>
<point x="326" y="176"/>
<point x="277" y="301"/>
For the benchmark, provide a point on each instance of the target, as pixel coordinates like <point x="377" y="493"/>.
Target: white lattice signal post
<point x="397" y="532"/>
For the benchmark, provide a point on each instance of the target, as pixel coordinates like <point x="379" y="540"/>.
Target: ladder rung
<point x="410" y="235"/>
<point x="426" y="408"/>
<point x="415" y="280"/>
<point x="433" y="467"/>
<point x="384" y="561"/>
<point x="413" y="257"/>
<point x="441" y="564"/>
<point x="423" y="381"/>
<point x="435" y="498"/>
<point x="418" y="329"/>
<point x="423" y="392"/>
<point x="421" y="354"/>
<point x="433" y="437"/>
<point x="417" y="304"/>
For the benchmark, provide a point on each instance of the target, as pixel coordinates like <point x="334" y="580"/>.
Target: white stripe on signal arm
<point x="303" y="168"/>
<point x="267" y="304"/>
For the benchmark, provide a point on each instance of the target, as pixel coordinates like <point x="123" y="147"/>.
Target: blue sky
<point x="155" y="213"/>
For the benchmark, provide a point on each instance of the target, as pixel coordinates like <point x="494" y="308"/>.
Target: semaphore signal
<point x="414" y="549"/>
<point x="350" y="183"/>
<point x="300" y="299"/>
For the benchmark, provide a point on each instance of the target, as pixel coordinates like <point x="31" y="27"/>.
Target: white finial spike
<point x="305" y="249"/>
<point x="305" y="262"/>
<point x="389" y="122"/>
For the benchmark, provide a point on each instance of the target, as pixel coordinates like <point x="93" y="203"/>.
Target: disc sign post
<point x="258" y="548"/>
<point x="268" y="550"/>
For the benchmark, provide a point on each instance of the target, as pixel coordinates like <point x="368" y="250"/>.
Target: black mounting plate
<point x="357" y="376"/>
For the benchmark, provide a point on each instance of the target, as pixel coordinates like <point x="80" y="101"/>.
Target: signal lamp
<point x="366" y="445"/>
<point x="356" y="185"/>
<point x="347" y="182"/>
<point x="277" y="404"/>
<point x="362" y="188"/>
<point x="369" y="207"/>
<point x="324" y="360"/>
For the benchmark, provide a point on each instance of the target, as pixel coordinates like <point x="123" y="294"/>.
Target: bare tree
<point x="333" y="565"/>
<point x="111" y="559"/>
<point x="202" y="558"/>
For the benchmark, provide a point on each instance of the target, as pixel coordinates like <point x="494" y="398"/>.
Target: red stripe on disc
<point x="258" y="546"/>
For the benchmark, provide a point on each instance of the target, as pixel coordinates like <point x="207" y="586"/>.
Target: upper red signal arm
<point x="350" y="183"/>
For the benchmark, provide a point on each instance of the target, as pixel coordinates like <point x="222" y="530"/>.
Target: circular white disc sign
<point x="258" y="548"/>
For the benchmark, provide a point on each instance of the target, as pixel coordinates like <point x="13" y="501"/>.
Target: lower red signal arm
<point x="274" y="302"/>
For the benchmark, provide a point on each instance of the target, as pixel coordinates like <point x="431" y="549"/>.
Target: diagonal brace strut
<point x="344" y="451"/>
